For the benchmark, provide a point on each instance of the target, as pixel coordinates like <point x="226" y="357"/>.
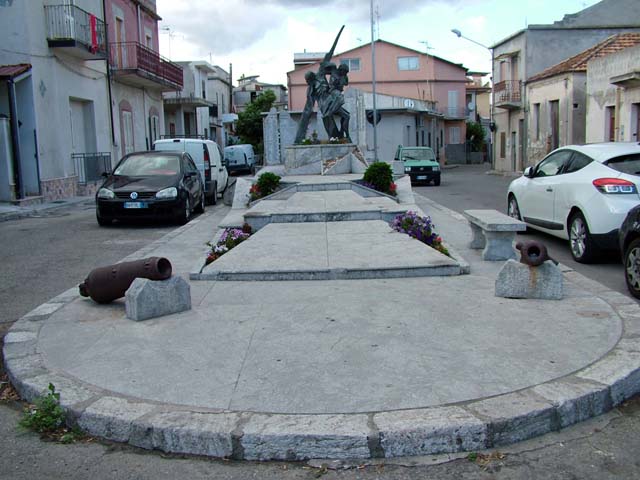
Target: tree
<point x="249" y="125"/>
<point x="475" y="135"/>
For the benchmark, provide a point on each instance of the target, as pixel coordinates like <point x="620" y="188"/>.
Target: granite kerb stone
<point x="515" y="416"/>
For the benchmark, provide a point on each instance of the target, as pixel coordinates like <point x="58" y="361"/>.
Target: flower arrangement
<point x="230" y="238"/>
<point x="420" y="228"/>
<point x="378" y="176"/>
<point x="267" y="183"/>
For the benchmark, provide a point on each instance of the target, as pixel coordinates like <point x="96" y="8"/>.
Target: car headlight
<point x="105" y="193"/>
<point x="171" y="192"/>
<point x="436" y="168"/>
<point x="407" y="169"/>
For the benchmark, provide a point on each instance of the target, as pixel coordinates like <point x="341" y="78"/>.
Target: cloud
<point x="220" y="27"/>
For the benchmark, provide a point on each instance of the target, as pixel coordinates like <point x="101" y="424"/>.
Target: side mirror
<point x="104" y="174"/>
<point x="528" y="172"/>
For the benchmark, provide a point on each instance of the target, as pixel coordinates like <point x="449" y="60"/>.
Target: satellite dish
<point x="471" y="106"/>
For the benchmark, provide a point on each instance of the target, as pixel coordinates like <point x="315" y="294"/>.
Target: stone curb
<point x="466" y="426"/>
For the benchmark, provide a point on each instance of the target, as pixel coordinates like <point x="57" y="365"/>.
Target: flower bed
<point x="230" y="238"/>
<point x="266" y="184"/>
<point x="420" y="228"/>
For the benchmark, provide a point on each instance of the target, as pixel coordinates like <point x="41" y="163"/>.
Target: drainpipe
<point x="15" y="139"/>
<point x="109" y="93"/>
<point x="139" y="27"/>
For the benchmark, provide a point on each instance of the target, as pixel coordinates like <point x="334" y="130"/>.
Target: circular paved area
<point x="331" y="347"/>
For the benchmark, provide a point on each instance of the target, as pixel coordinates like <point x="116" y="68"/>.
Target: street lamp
<point x="458" y="33"/>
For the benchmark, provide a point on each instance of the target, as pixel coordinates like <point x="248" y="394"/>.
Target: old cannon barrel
<point x="105" y="284"/>
<point x="533" y="253"/>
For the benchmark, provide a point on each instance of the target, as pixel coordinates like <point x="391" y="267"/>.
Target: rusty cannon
<point x="106" y="284"/>
<point x="533" y="253"/>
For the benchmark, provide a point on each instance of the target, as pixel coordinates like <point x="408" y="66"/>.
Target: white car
<point x="207" y="156"/>
<point x="581" y="193"/>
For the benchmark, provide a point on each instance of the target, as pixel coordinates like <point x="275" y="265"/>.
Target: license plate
<point x="421" y="177"/>
<point x="135" y="205"/>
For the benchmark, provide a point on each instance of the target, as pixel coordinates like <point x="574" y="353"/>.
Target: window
<point x="407" y="63"/>
<point x="536" y="121"/>
<point x="578" y="162"/>
<point x="551" y="165"/>
<point x="204" y="90"/>
<point x="454" y="134"/>
<point x="352" y="63"/>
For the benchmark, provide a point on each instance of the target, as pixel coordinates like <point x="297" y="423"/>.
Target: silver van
<point x="240" y="158"/>
<point x="207" y="156"/>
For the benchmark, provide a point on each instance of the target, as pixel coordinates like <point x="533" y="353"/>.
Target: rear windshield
<point x="146" y="165"/>
<point x="626" y="164"/>
<point x="418" y="154"/>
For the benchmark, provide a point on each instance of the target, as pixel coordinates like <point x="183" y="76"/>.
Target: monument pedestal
<point x="324" y="159"/>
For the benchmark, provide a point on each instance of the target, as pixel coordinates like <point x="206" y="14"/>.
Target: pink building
<point x="139" y="74"/>
<point x="400" y="72"/>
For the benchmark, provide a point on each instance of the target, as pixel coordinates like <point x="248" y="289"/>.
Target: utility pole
<point x="373" y="83"/>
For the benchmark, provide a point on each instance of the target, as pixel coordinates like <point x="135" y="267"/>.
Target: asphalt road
<point x="470" y="187"/>
<point x="42" y="257"/>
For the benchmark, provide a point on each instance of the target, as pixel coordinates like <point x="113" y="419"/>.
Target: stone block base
<point x="149" y="299"/>
<point x="517" y="280"/>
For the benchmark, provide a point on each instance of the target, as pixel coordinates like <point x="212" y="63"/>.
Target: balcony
<point x="454" y="113"/>
<point x="186" y="100"/>
<point x="508" y="94"/>
<point x="134" y="64"/>
<point x="79" y="33"/>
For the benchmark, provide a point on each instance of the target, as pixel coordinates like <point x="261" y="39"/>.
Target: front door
<point x="538" y="204"/>
<point x="555" y="123"/>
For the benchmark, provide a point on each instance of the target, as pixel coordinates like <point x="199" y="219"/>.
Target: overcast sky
<point x="259" y="37"/>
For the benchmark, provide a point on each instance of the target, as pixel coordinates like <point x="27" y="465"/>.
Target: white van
<point x="207" y="156"/>
<point x="240" y="158"/>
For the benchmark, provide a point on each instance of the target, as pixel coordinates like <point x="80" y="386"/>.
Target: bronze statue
<point x="328" y="95"/>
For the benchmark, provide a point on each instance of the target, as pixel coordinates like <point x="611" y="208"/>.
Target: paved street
<point x="468" y="187"/>
<point x="605" y="447"/>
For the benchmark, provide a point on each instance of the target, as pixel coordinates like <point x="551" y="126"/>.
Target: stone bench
<point x="494" y="232"/>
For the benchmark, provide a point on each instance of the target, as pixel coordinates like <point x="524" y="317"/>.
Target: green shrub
<point x="267" y="183"/>
<point x="379" y="175"/>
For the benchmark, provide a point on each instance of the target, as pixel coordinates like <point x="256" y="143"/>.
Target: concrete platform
<point x="329" y="251"/>
<point x="333" y="369"/>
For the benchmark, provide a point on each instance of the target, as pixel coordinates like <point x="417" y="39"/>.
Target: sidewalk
<point x="333" y="369"/>
<point x="9" y="211"/>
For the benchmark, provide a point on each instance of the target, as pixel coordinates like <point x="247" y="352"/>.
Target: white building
<point x="54" y="119"/>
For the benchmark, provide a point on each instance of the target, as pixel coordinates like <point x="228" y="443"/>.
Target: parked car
<point x="580" y="193"/>
<point x="164" y="185"/>
<point x="240" y="158"/>
<point x="207" y="156"/>
<point x="629" y="238"/>
<point x="420" y="164"/>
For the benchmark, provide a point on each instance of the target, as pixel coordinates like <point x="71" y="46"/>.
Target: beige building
<point x="557" y="99"/>
<point x="613" y="97"/>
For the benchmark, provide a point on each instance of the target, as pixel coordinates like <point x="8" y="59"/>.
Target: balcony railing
<point x="454" y="112"/>
<point x="90" y="166"/>
<point x="71" y="27"/>
<point x="133" y="57"/>
<point x="508" y="92"/>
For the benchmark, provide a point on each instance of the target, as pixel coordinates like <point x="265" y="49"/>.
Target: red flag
<point x="93" y="24"/>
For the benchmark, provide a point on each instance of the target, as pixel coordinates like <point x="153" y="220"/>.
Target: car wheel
<point x="201" y="206"/>
<point x="513" y="210"/>
<point x="185" y="215"/>
<point x="214" y="197"/>
<point x="632" y="267"/>
<point x="580" y="240"/>
<point x="436" y="182"/>
<point x="103" y="222"/>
